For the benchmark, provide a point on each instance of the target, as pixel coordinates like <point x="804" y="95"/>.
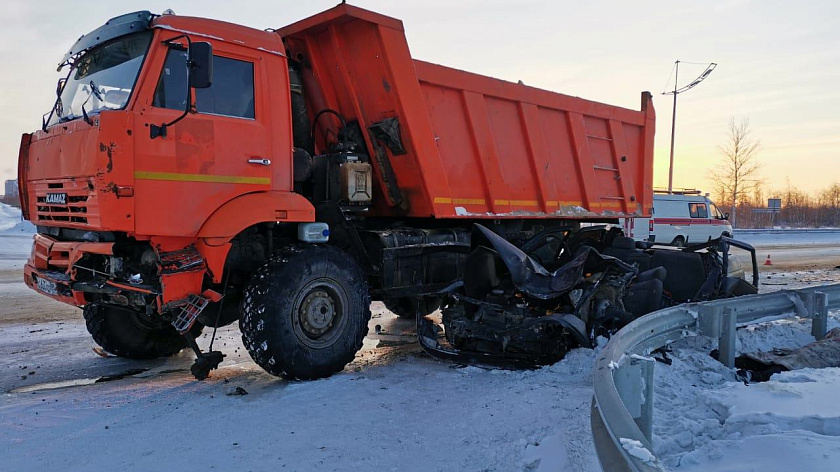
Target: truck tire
<point x="129" y="334"/>
<point x="404" y="307"/>
<point x="306" y="312"/>
<point x="679" y="241"/>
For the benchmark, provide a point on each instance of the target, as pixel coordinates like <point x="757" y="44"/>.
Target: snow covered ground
<point x="388" y="411"/>
<point x="705" y="419"/>
<point x="16" y="241"/>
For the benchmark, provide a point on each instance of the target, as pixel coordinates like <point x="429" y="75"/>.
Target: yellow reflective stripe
<point x="468" y="201"/>
<point x="460" y="201"/>
<point x="517" y="202"/>
<point x="550" y="203"/>
<point x="481" y="201"/>
<point x="222" y="179"/>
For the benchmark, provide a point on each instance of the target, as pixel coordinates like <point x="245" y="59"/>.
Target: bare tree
<point x="737" y="175"/>
<point x="830" y="202"/>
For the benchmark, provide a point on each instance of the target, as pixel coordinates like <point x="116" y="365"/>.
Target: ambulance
<point x="680" y="218"/>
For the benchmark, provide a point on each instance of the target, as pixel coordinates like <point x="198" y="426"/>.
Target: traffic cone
<point x="768" y="261"/>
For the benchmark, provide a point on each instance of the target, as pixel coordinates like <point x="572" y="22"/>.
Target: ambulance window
<point x="698" y="210"/>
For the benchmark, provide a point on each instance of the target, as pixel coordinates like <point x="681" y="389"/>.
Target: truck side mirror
<point x="200" y="62"/>
<point x="726" y="216"/>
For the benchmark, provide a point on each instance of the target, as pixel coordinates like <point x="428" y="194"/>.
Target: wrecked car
<point x="529" y="305"/>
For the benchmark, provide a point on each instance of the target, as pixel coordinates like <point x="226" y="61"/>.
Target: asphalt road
<point x="795" y="249"/>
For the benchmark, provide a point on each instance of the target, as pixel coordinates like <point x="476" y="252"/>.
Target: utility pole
<point x="673" y="128"/>
<point x="676" y="92"/>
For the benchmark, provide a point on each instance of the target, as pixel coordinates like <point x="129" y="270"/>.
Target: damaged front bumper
<point x="50" y="269"/>
<point x="58" y="269"/>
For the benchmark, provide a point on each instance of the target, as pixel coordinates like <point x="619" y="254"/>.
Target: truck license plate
<point x="46" y="286"/>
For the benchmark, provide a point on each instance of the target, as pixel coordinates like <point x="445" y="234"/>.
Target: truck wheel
<point x="404" y="307"/>
<point x="133" y="335"/>
<point x="306" y="312"/>
<point x="679" y="241"/>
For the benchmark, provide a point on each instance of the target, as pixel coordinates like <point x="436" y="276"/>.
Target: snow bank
<point x="11" y="222"/>
<point x="790" y="423"/>
<point x="705" y="419"/>
<point x="15" y="237"/>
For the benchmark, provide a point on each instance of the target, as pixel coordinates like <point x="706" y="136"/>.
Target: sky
<point x="779" y="65"/>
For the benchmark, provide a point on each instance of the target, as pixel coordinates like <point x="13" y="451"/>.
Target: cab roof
<point x="218" y="30"/>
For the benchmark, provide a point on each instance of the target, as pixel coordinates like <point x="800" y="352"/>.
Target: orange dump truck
<point x="194" y="172"/>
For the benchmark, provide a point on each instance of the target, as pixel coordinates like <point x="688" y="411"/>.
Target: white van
<point x="680" y="218"/>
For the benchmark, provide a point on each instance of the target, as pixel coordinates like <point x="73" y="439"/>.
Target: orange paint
<point x="475" y="147"/>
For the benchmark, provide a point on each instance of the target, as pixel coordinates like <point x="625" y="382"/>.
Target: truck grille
<point x="75" y="205"/>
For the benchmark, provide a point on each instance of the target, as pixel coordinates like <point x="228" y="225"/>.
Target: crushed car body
<point x="528" y="306"/>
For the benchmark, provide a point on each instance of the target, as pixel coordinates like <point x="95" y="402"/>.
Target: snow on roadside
<point x="790" y="423"/>
<point x="11" y="221"/>
<point x="15" y="237"/>
<point x="705" y="419"/>
<point x="416" y="414"/>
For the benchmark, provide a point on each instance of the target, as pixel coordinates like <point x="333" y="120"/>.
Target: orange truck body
<point x="474" y="148"/>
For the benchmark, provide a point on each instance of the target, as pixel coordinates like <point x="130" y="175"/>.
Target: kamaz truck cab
<point x="163" y="145"/>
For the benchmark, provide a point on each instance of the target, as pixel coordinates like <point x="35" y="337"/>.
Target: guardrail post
<point x="708" y="320"/>
<point x="634" y="382"/>
<point x="726" y="341"/>
<point x="628" y="382"/>
<point x="645" y="421"/>
<point x="819" y="315"/>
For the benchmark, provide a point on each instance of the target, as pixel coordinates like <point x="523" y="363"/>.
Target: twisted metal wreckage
<point x="528" y="306"/>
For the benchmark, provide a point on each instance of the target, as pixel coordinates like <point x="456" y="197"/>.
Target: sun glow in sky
<point x="779" y="64"/>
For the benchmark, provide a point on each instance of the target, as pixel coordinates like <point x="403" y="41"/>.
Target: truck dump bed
<point x="451" y="144"/>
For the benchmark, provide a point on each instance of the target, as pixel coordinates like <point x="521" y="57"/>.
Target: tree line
<point x="799" y="209"/>
<point x="740" y="191"/>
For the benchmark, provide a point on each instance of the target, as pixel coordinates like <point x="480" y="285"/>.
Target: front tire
<point x="306" y="312"/>
<point x="133" y="335"/>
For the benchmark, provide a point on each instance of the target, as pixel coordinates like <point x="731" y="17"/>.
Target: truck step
<point x="189" y="313"/>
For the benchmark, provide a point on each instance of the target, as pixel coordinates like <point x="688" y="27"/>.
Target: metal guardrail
<point x="622" y="405"/>
<point x="740" y="232"/>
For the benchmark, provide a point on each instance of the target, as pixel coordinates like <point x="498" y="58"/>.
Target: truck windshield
<point x="102" y="78"/>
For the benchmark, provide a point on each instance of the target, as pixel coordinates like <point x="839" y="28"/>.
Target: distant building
<point x="11" y="188"/>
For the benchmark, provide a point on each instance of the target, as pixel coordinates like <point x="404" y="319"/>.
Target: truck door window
<point x="698" y="210"/>
<point x="171" y="90"/>
<point x="232" y="92"/>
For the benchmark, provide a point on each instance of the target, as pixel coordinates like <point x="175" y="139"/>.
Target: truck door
<point x="220" y="150"/>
